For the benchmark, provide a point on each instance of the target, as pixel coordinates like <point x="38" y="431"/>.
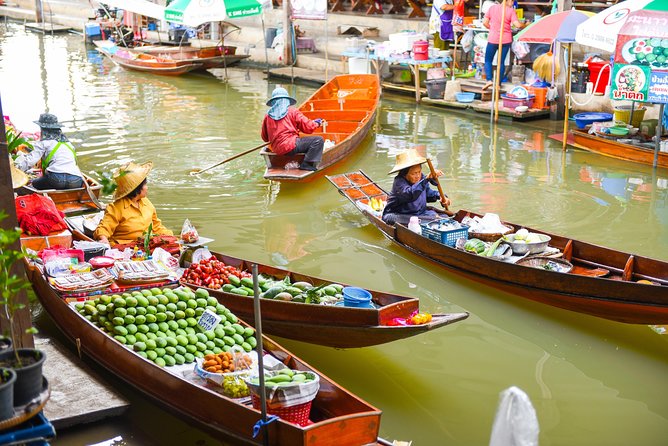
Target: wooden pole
<point x="499" y="61"/>
<point x="567" y="103"/>
<point x="287" y="33"/>
<point x="22" y="318"/>
<point x="657" y="145"/>
<point x="438" y="183"/>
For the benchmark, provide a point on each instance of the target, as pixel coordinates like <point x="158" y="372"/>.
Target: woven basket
<point x="297" y="414"/>
<point x="490" y="236"/>
<point x="540" y="262"/>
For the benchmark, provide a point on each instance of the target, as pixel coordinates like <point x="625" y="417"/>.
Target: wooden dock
<point x="78" y="394"/>
<point x="47" y="28"/>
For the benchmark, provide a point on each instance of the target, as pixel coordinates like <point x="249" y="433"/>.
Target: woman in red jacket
<point x="281" y="128"/>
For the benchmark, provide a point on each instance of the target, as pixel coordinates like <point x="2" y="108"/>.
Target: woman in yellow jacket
<point x="129" y="216"/>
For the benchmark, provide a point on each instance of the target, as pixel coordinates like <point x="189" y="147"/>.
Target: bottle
<point x="414" y="225"/>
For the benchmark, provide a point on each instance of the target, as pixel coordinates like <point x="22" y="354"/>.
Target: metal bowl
<point x="531" y="248"/>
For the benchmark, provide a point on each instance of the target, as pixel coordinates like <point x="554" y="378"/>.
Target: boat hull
<point x="348" y="104"/>
<point x="618" y="150"/>
<point x="340" y="418"/>
<point x="331" y="326"/>
<point x="69" y="201"/>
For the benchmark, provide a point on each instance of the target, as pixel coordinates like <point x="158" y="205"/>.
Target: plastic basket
<point x="297" y="414"/>
<point x="448" y="237"/>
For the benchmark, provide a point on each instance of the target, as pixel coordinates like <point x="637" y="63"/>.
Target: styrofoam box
<point x="401" y="42"/>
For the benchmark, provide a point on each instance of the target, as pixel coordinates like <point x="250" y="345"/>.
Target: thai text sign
<point x="630" y="82"/>
<point x="658" y="88"/>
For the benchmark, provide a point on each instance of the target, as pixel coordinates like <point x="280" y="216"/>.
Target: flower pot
<point x="7" y="380"/>
<point x="29" y="377"/>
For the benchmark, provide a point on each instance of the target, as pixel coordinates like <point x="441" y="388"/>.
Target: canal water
<point x="591" y="381"/>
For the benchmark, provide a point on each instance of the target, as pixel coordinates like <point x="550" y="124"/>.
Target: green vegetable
<point x="474" y="245"/>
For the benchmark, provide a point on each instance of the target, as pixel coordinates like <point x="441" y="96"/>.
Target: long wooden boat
<point x="148" y="63"/>
<point x="329" y="325"/>
<point x="208" y="57"/>
<point x="347" y="103"/>
<point x="619" y="150"/>
<point x="69" y="201"/>
<point x="603" y="282"/>
<point x="338" y="416"/>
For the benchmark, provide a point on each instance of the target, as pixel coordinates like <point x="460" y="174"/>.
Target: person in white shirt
<point x="57" y="155"/>
<point x="440" y="23"/>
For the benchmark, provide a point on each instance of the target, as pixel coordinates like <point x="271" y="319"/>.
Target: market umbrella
<point x="559" y="27"/>
<point x="601" y="30"/>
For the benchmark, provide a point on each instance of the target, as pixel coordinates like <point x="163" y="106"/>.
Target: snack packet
<point x="188" y="232"/>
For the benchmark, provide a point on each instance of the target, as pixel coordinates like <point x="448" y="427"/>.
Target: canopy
<point x="558" y="27"/>
<point x="196" y="12"/>
<point x="601" y="30"/>
<point x="191" y="12"/>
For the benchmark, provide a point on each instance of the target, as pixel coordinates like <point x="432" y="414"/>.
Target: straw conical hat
<point x="129" y="176"/>
<point x="19" y="177"/>
<point x="407" y="159"/>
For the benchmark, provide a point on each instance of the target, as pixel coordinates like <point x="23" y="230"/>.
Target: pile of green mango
<point x="303" y="292"/>
<point x="162" y="324"/>
<point x="285" y="378"/>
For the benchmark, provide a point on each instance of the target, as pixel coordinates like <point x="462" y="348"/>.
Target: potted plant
<point x="7" y="380"/>
<point x="26" y="362"/>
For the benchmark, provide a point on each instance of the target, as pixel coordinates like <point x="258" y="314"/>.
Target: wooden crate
<point x="39" y="242"/>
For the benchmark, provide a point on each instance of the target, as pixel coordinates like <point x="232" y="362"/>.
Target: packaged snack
<point x="188" y="232"/>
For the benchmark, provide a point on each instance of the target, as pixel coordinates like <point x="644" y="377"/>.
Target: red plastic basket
<point x="294" y="414"/>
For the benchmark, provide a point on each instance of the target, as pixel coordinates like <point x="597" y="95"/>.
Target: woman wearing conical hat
<point x="57" y="155"/>
<point x="131" y="213"/>
<point x="411" y="192"/>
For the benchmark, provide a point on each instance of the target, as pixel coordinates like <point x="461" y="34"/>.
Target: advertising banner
<point x="309" y="9"/>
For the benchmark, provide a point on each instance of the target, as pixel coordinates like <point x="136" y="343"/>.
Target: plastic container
<point x="511" y="102"/>
<point x="541" y="97"/>
<point x="414" y="225"/>
<point x="93" y="29"/>
<point x="358" y="65"/>
<point x="465" y="97"/>
<point x="356" y="297"/>
<point x="447" y="237"/>
<point x="599" y="71"/>
<point x="582" y="120"/>
<point x="623" y="113"/>
<point x="420" y="50"/>
<point x="648" y="127"/>
<point x="435" y="88"/>
<point x="269" y="36"/>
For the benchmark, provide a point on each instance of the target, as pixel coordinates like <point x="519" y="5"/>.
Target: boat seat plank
<point x="628" y="269"/>
<point x="568" y="251"/>
<point x="591" y="272"/>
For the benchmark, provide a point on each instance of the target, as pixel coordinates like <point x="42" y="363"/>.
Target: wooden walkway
<point x="47" y="28"/>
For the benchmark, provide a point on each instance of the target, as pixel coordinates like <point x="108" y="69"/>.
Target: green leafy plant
<point x="15" y="140"/>
<point x="148" y="234"/>
<point x="106" y="179"/>
<point x="11" y="284"/>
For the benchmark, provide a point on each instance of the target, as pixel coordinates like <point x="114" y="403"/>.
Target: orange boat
<point x="616" y="149"/>
<point x="347" y="104"/>
<point x="208" y="57"/>
<point x="148" y="63"/>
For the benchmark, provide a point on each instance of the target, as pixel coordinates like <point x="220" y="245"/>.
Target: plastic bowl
<point x="619" y="131"/>
<point x="521" y="108"/>
<point x="582" y="120"/>
<point x="356" y="297"/>
<point x="531" y="248"/>
<point x="465" y="97"/>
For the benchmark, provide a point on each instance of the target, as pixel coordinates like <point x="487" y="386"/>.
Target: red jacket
<point x="282" y="134"/>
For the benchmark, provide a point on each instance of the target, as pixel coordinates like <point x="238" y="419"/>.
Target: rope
<point x="261" y="423"/>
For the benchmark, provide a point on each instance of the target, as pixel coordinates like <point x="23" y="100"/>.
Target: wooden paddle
<point x="438" y="183"/>
<point x="198" y="171"/>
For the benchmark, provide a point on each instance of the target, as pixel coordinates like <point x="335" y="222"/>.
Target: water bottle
<point x="414" y="225"/>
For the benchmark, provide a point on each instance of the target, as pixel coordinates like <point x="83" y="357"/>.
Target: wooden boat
<point x="347" y="103"/>
<point x="148" y="63"/>
<point x="603" y="282"/>
<point x="339" y="417"/>
<point x="616" y="149"/>
<point x="208" y="57"/>
<point x="69" y="201"/>
<point x="329" y="325"/>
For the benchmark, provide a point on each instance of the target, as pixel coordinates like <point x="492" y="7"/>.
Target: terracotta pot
<point x="29" y="377"/>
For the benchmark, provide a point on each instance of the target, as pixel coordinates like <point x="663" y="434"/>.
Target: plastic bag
<point x="467" y="41"/>
<point x="515" y="423"/>
<point x="188" y="232"/>
<point x="520" y="49"/>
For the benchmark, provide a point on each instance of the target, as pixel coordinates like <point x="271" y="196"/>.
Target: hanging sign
<point x="630" y="82"/>
<point x="657" y="92"/>
<point x="309" y="9"/>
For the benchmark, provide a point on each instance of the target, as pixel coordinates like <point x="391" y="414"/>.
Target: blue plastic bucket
<point x="356" y="297"/>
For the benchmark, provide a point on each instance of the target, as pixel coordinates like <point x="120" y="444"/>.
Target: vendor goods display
<point x="188" y="232"/>
<point x="81" y="282"/>
<point x="214" y="274"/>
<point x="289" y="394"/>
<point x="228" y="370"/>
<point x="488" y="228"/>
<point x="303" y="292"/>
<point x="547" y="263"/>
<point x="166" y="325"/>
<point x="139" y="271"/>
<point x="446" y="231"/>
<point x="523" y="242"/>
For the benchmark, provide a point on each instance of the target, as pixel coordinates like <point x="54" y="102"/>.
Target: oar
<point x="198" y="171"/>
<point x="438" y="183"/>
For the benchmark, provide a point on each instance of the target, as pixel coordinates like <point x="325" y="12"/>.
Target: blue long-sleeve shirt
<point x="407" y="198"/>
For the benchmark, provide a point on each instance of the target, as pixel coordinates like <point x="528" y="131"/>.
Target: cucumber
<point x="228" y="287"/>
<point x="234" y="280"/>
<point x="294" y="291"/>
<point x="247" y="282"/>
<point x="239" y="291"/>
<point x="272" y="292"/>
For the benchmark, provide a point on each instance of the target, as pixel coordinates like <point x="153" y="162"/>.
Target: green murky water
<point x="591" y="381"/>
